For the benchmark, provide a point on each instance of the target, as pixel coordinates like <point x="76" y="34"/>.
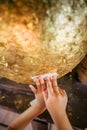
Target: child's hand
<point x="56" y="101"/>
<point x="35" y="110"/>
<point x="39" y="104"/>
<point x="55" y="98"/>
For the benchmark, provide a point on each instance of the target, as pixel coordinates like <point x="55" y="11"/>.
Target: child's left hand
<point x="35" y="110"/>
<point x="39" y="104"/>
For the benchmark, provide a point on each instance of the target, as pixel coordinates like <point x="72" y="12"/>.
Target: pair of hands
<point x="49" y="96"/>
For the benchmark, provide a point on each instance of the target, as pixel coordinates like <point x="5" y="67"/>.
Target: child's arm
<point x="36" y="109"/>
<point x="56" y="101"/>
<point x="23" y="119"/>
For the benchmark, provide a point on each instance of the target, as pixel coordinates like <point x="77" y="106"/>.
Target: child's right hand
<point x="56" y="101"/>
<point x="55" y="98"/>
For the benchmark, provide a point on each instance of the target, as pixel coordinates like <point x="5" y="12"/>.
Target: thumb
<point x="33" y="89"/>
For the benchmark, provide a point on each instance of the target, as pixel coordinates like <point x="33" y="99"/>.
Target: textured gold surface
<point x="38" y="37"/>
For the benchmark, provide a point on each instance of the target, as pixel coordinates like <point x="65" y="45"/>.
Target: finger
<point x="54" y="84"/>
<point x="37" y="82"/>
<point x="49" y="85"/>
<point x="64" y="92"/>
<point x="61" y="91"/>
<point x="34" y="90"/>
<point x="42" y="83"/>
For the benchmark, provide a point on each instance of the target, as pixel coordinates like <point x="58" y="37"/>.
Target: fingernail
<point x="34" y="79"/>
<point x="51" y="77"/>
<point x="55" y="76"/>
<point x="40" y="77"/>
<point x="29" y="85"/>
<point x="47" y="78"/>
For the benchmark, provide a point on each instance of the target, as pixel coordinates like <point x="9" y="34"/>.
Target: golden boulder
<point x="41" y="36"/>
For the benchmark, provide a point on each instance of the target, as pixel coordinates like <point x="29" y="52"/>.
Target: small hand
<point x="55" y="98"/>
<point x="40" y="104"/>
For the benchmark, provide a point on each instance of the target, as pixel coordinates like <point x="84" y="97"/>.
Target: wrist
<point x="61" y="121"/>
<point x="37" y="109"/>
<point x="59" y="114"/>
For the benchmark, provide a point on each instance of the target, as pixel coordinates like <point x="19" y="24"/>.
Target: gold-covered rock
<point x="41" y="36"/>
